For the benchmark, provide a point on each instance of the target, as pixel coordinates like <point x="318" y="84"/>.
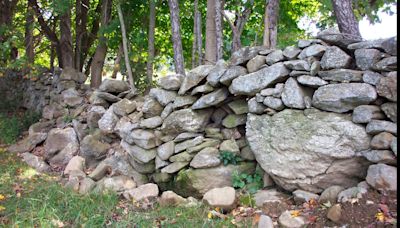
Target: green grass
<point x="13" y="124"/>
<point x="43" y="202"/>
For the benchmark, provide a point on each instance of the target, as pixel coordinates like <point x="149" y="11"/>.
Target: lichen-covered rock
<point x="310" y="81"/>
<point x="390" y="110"/>
<point x="193" y="77"/>
<point x="382" y="177"/>
<point x="139" y="153"/>
<point x="233" y="120"/>
<point x="124" y="107"/>
<point x="255" y="63"/>
<point x="232" y="73"/>
<point x="274" y="103"/>
<point x="252" y="83"/>
<point x="343" y="97"/>
<point x="224" y="198"/>
<point x="376" y="126"/>
<point x="291" y="52"/>
<point x="341" y="75"/>
<point x="59" y="139"/>
<point x="239" y="106"/>
<point x="371" y="77"/>
<point x="206" y="158"/>
<point x="171" y="82"/>
<point x="274" y="57"/>
<point x="108" y="121"/>
<point x="245" y="54"/>
<point x="387" y="87"/>
<point x="367" y="58"/>
<point x="286" y="143"/>
<point x="92" y="148"/>
<point x="286" y="220"/>
<point x="216" y="73"/>
<point x="151" y="123"/>
<point x="335" y="57"/>
<point x="151" y="107"/>
<point x="36" y="162"/>
<point x="186" y="120"/>
<point x="313" y="50"/>
<point x="211" y="99"/>
<point x="181" y="101"/>
<point x="366" y="113"/>
<point x="163" y="96"/>
<point x="113" y="86"/>
<point x="71" y="97"/>
<point x="255" y="107"/>
<point x="293" y="95"/>
<point x="297" y="65"/>
<point x="144" y="138"/>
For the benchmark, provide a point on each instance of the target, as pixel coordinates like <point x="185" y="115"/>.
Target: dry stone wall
<point x="314" y="115"/>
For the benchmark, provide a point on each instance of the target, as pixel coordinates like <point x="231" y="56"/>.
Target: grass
<point x="13" y="124"/>
<point x="38" y="200"/>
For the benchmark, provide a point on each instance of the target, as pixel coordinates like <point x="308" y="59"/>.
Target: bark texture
<point x="66" y="39"/>
<point x="150" y="57"/>
<point x="218" y="28"/>
<point x="176" y="37"/>
<point x="345" y="17"/>
<point x="82" y="7"/>
<point x="270" y="35"/>
<point x="211" y="35"/>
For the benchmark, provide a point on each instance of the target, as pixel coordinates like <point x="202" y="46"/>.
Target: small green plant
<point x="68" y="118"/>
<point x="13" y="124"/>
<point x="247" y="182"/>
<point x="228" y="157"/>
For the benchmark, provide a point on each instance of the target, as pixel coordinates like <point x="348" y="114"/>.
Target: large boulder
<point x="286" y="144"/>
<point x="382" y="177"/>
<point x="69" y="73"/>
<point x="113" y="86"/>
<point x="58" y="140"/>
<point x="196" y="182"/>
<point x="194" y="77"/>
<point x="211" y="99"/>
<point x="186" y="120"/>
<point x="343" y="97"/>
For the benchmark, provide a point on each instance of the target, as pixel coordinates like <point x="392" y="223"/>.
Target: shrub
<point x="228" y="157"/>
<point x="247" y="182"/>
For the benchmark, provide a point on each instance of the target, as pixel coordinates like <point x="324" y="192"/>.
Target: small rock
<point x="143" y="192"/>
<point x="382" y="141"/>
<point x="274" y="57"/>
<point x="229" y="145"/>
<point x="366" y="113"/>
<point x="371" y="77"/>
<point x="255" y="63"/>
<point x="151" y="123"/>
<point x="376" y="126"/>
<point x="124" y="107"/>
<point x="293" y="94"/>
<point x="174" y="167"/>
<point x="239" y="106"/>
<point x="76" y="163"/>
<point x="206" y="88"/>
<point x="313" y="50"/>
<point x="163" y="96"/>
<point x="286" y="220"/>
<point x="232" y="73"/>
<point x="297" y="65"/>
<point x="171" y="82"/>
<point x="301" y="196"/>
<point x="166" y="150"/>
<point x="382" y="177"/>
<point x="379" y="156"/>
<point x="151" y="107"/>
<point x="225" y="198"/>
<point x="211" y="99"/>
<point x="255" y="107"/>
<point x="341" y="75"/>
<point x="274" y="103"/>
<point x="310" y="81"/>
<point x="390" y="110"/>
<point x="334" y="213"/>
<point x="188" y="143"/>
<point x="330" y="194"/>
<point x="182" y="101"/>
<point x="36" y="162"/>
<point x="233" y="120"/>
<point x="291" y="52"/>
<point x="268" y="196"/>
<point x="113" y="86"/>
<point x="207" y="157"/>
<point x="387" y="87"/>
<point x="265" y="222"/>
<point x="86" y="185"/>
<point x="170" y="198"/>
<point x="350" y="194"/>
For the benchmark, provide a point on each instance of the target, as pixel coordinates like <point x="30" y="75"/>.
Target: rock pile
<point x="314" y="115"/>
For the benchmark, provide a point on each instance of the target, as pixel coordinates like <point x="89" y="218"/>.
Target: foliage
<point x="228" y="157"/>
<point x="12" y="125"/>
<point x="248" y="182"/>
<point x="68" y="118"/>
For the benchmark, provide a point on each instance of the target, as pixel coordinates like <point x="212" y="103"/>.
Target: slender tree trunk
<point x="96" y="68"/>
<point x="82" y="7"/>
<point x="150" y="57"/>
<point x="66" y="39"/>
<point x="7" y="8"/>
<point x="29" y="44"/>
<point x="211" y="35"/>
<point x="195" y="34"/>
<point x="218" y="28"/>
<point x="117" y="63"/>
<point x="271" y="24"/>
<point x="125" y="46"/>
<point x="176" y="37"/>
<point x="345" y="18"/>
<point x="199" y="39"/>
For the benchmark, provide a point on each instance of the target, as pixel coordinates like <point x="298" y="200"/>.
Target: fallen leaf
<point x="380" y="217"/>
<point x="295" y="213"/>
<point x="2" y="208"/>
<point x="2" y="197"/>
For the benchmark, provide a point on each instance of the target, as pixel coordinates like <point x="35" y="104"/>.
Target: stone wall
<point x="317" y="114"/>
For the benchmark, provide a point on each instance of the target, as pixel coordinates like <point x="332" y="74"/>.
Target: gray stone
<point x="92" y="148"/>
<point x="274" y="57"/>
<point x="143" y="192"/>
<point x="286" y="220"/>
<point x="367" y="44"/>
<point x="343" y="97"/>
<point x="297" y="65"/>
<point x="207" y="157"/>
<point x="185" y="136"/>
<point x="170" y="198"/>
<point x="382" y="141"/>
<point x="62" y="158"/>
<point x="233" y="120"/>
<point x="367" y="58"/>
<point x="113" y="86"/>
<point x="380" y="156"/>
<point x="335" y="57"/>
<point x="306" y="43"/>
<point x="341" y="75"/>
<point x="143" y="168"/>
<point x="255" y="63"/>
<point x="291" y="52"/>
<point x="371" y="77"/>
<point x="36" y="162"/>
<point x="105" y="96"/>
<point x="230" y="146"/>
<point x="171" y="82"/>
<point x="390" y="110"/>
<point x="174" y="167"/>
<point x="59" y="139"/>
<point x="151" y="123"/>
<point x="196" y="182"/>
<point x="216" y="73"/>
<point x="393" y="146"/>
<point x="275" y="92"/>
<point x="253" y="83"/>
<point x="211" y="99"/>
<point x="144" y="138"/>
<point x="166" y="150"/>
<point x="224" y="198"/>
<point x="28" y="143"/>
<point x="139" y="153"/>
<point x="94" y="115"/>
<point x="310" y="81"/>
<point x="163" y="96"/>
<point x="382" y="177"/>
<point x="386" y="64"/>
<point x="316" y="50"/>
<point x="108" y="121"/>
<point x="255" y="107"/>
<point x="194" y="77"/>
<point x="64" y="85"/>
<point x="387" y="87"/>
<point x="151" y="107"/>
<point x="124" y="127"/>
<point x="293" y="94"/>
<point x="231" y="133"/>
<point x="259" y="98"/>
<point x="390" y="45"/>
<point x="160" y="163"/>
<point x="247" y="154"/>
<point x="167" y="110"/>
<point x="366" y="113"/>
<point x="315" y="67"/>
<point x="207" y="143"/>
<point x="86" y="185"/>
<point x="287" y="142"/>
<point x="182" y="101"/>
<point x="188" y="143"/>
<point x="69" y="73"/>
<point x="206" y="88"/>
<point x="239" y="106"/>
<point x="71" y="97"/>
<point x="274" y="103"/>
<point x="333" y="36"/>
<point x="124" y="107"/>
<point x="232" y="73"/>
<point x="301" y="196"/>
<point x="334" y="213"/>
<point x="116" y="183"/>
<point x="265" y="222"/>
<point x="245" y="54"/>
<point x="185" y="120"/>
<point x="182" y="157"/>
<point x="349" y="194"/>
<point x="377" y="126"/>
<point x="330" y="194"/>
<point x="262" y="197"/>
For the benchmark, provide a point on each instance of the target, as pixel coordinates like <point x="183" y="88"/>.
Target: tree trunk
<point x="195" y="34"/>
<point x="82" y="7"/>
<point x="96" y="69"/>
<point x="218" y="29"/>
<point x="66" y="39"/>
<point x="345" y="18"/>
<point x="176" y="37"/>
<point x="271" y="24"/>
<point x="211" y="35"/>
<point x="125" y="46"/>
<point x="150" y="57"/>
<point x="117" y="63"/>
<point x="29" y="45"/>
